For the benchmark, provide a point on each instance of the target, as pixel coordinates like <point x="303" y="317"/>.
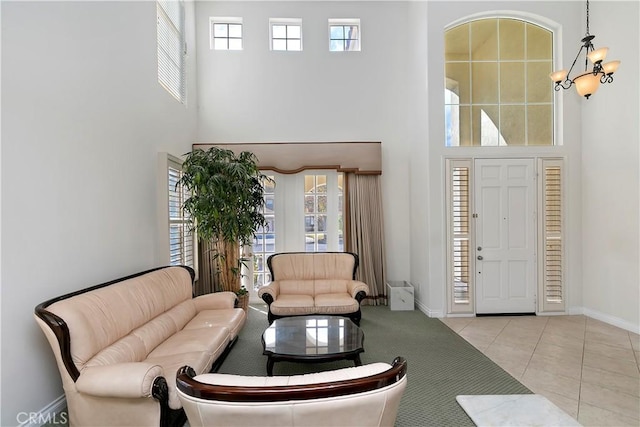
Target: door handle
<point x="479" y="257"/>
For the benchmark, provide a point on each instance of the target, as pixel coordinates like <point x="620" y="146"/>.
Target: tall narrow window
<point x="344" y="35"/>
<point x="315" y="213"/>
<point x="226" y="33"/>
<point x="552" y="275"/>
<point x="171" y="48"/>
<point x="459" y="236"/>
<point x="181" y="241"/>
<point x="497" y="89"/>
<point x="285" y="34"/>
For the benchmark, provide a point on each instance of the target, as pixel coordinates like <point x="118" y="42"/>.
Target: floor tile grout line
<point x="584" y="345"/>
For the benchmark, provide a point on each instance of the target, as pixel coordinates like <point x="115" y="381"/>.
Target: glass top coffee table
<point x="312" y="339"/>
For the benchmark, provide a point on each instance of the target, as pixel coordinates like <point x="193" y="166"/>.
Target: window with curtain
<point x="172" y="48"/>
<point x="497" y="89"/>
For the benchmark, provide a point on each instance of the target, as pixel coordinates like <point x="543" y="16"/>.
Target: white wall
<point x="610" y="173"/>
<point x="83" y="119"/>
<point x="257" y="95"/>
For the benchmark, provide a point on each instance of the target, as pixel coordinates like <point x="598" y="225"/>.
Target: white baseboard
<point x="612" y="320"/>
<point x="54" y="413"/>
<point x="429" y="312"/>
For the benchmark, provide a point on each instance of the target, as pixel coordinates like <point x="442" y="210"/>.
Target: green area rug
<point x="441" y="364"/>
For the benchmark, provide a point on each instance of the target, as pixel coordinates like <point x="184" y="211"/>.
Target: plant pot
<point x="243" y="301"/>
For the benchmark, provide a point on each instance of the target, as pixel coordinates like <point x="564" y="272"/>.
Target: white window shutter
<point x="172" y="48"/>
<point x="181" y="240"/>
<point x="552" y="236"/>
<point x="459" y="236"/>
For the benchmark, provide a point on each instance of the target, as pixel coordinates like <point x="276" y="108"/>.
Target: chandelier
<point x="588" y="82"/>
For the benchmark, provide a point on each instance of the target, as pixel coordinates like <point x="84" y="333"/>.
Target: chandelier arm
<point x="573" y="65"/>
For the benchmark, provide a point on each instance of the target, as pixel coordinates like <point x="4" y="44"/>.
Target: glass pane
<point x="309" y="183"/>
<point x="511" y="39"/>
<point x="512" y="124"/>
<point x="540" y="125"/>
<point x="352" y="45"/>
<point x="235" y="30"/>
<point x="269" y="201"/>
<point x="465" y="126"/>
<point x="485" y="126"/>
<point x="336" y="45"/>
<point x="322" y="223"/>
<point x="484" y="43"/>
<point x="322" y="242"/>
<point x="321" y="184"/>
<point x="294" y="45"/>
<point x="336" y="32"/>
<point x="279" y="31"/>
<point x="309" y="223"/>
<point x="309" y="204"/>
<point x="269" y="185"/>
<point x="539" y="42"/>
<point x="279" y="45"/>
<point x="220" y="44"/>
<point x="322" y="204"/>
<point x="235" y="44"/>
<point x="310" y="242"/>
<point x="271" y="224"/>
<point x="512" y="83"/>
<point x="293" y="31"/>
<point x="457" y="81"/>
<point x="351" y="32"/>
<point x="456" y="43"/>
<point x="484" y="77"/>
<point x="220" y="30"/>
<point x="539" y="85"/>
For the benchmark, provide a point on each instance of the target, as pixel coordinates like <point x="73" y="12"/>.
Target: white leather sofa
<point x="305" y="283"/>
<point x="367" y="395"/>
<point x="118" y="345"/>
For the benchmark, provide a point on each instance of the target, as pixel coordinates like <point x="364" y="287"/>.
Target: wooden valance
<point x="293" y="157"/>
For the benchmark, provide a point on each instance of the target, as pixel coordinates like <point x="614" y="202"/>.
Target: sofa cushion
<point x="207" y="340"/>
<point x="335" y="303"/>
<point x="230" y="318"/>
<point x="293" y="305"/>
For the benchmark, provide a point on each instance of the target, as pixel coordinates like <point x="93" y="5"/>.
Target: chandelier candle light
<point x="588" y="82"/>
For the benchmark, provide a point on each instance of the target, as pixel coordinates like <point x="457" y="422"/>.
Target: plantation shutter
<point x="171" y="48"/>
<point x="181" y="241"/>
<point x="552" y="274"/>
<point x="459" y="236"/>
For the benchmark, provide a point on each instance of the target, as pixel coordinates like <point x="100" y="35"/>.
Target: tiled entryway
<point x="588" y="368"/>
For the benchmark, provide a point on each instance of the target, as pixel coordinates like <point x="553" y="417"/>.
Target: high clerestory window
<point x="497" y="89"/>
<point x="344" y="35"/>
<point x="226" y="33"/>
<point x="285" y="33"/>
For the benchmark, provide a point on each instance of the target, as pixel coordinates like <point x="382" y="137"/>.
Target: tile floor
<point x="588" y="368"/>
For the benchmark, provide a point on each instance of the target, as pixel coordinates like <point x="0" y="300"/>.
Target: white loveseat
<point x="118" y="345"/>
<point x="305" y="283"/>
<point x="367" y="395"/>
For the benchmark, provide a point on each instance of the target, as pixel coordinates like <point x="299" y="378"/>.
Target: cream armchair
<point x="306" y="283"/>
<point x="367" y="395"/>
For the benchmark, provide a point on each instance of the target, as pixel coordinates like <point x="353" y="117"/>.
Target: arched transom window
<point x="497" y="87"/>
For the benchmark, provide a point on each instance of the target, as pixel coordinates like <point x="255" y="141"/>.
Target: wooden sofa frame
<point x="191" y="387"/>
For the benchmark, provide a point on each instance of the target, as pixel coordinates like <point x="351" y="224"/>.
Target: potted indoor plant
<point x="225" y="206"/>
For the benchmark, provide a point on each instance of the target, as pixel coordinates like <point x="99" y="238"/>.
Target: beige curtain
<point x="366" y="234"/>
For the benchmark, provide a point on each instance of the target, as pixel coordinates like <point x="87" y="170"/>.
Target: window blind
<point x="171" y="48"/>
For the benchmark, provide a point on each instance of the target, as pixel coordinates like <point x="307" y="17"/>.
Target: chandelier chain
<point x="587" y="19"/>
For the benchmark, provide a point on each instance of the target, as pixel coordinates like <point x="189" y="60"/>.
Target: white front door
<point x="505" y="236"/>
